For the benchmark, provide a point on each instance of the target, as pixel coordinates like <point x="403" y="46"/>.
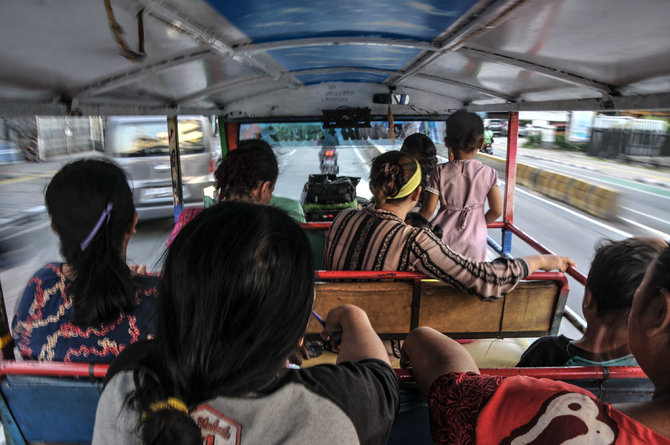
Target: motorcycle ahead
<point x="487" y="148"/>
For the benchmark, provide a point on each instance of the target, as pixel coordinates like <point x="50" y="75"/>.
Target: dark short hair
<point x="421" y="148"/>
<point x="617" y="270"/>
<point x="464" y="130"/>
<point x="659" y="274"/>
<point x="419" y="145"/>
<point x="240" y="172"/>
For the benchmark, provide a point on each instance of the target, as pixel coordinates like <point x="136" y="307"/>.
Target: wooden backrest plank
<point x="528" y="310"/>
<point x="387" y="303"/>
<point x="530" y="306"/>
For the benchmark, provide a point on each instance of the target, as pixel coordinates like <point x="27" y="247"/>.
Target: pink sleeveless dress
<point x="462" y="187"/>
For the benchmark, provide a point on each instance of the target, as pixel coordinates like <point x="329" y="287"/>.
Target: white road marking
<point x="662" y="221"/>
<point x="579" y="215"/>
<point x="363" y="161"/>
<point x="40" y="226"/>
<point x="658" y="233"/>
<point x="379" y="148"/>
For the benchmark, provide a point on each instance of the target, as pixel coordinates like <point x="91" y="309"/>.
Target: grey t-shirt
<point x="349" y="403"/>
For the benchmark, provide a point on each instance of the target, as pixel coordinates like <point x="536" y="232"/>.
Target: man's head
<point x="649" y="325"/>
<point x="616" y="271"/>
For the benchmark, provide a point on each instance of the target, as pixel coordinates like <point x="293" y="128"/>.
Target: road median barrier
<point x="596" y="200"/>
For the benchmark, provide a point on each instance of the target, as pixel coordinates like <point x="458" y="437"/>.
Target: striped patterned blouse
<point x="374" y="239"/>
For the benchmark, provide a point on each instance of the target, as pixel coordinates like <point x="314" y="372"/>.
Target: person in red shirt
<point x="469" y="408"/>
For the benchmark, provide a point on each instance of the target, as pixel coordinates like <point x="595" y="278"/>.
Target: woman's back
<point x="374" y="239"/>
<point x="291" y="408"/>
<point x="43" y="327"/>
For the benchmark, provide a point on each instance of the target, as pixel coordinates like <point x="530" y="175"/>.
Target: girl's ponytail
<point x="92" y="211"/>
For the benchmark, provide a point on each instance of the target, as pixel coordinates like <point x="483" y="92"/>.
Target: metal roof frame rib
<point x="480" y="17"/>
<point x="251" y="48"/>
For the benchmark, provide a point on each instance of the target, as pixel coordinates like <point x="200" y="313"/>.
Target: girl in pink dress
<point x="462" y="186"/>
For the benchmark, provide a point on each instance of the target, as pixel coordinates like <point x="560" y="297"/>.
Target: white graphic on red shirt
<point x="569" y="419"/>
<point x="216" y="428"/>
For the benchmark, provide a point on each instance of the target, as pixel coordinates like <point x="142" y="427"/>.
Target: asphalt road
<point x="645" y="207"/>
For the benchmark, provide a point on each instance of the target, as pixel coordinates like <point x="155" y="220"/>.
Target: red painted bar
<point x="55" y="369"/>
<point x="367" y="275"/>
<point x="316" y="226"/>
<point x="399" y="275"/>
<point x="60" y="369"/>
<point x="510" y="167"/>
<point x="562" y="373"/>
<point x="232" y="133"/>
<point x="573" y="272"/>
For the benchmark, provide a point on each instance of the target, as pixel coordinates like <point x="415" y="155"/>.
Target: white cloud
<point x="430" y="9"/>
<point x="292" y="10"/>
<point x="270" y="24"/>
<point x="394" y="24"/>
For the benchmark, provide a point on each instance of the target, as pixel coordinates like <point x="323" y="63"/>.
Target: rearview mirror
<point x="399" y="99"/>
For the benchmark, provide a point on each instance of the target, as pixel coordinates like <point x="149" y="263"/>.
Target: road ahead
<point x="645" y="208"/>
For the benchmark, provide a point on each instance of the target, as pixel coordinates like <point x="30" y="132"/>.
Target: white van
<point x="139" y="144"/>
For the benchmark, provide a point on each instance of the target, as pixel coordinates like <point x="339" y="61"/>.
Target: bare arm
<point x="431" y="354"/>
<point x="548" y="262"/>
<point x="429" y="205"/>
<point x="359" y="340"/>
<point x="495" y="205"/>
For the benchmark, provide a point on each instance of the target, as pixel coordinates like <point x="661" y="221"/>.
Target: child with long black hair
<point x="92" y="305"/>
<point x="236" y="292"/>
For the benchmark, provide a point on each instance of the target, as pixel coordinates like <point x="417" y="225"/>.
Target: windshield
<point x="307" y="148"/>
<point x="130" y="139"/>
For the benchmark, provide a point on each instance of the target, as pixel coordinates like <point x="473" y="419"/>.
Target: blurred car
<point x="525" y="130"/>
<point x="139" y="144"/>
<point x="497" y="126"/>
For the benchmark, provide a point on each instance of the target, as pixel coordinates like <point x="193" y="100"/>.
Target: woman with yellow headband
<point x="377" y="238"/>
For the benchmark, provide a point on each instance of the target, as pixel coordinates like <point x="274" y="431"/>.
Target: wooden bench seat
<point x="397" y="302"/>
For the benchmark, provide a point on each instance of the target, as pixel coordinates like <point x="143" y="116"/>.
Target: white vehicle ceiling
<point x="293" y="58"/>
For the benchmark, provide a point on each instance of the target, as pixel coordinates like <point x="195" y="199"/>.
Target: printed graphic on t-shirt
<point x="216" y="428"/>
<point x="565" y="418"/>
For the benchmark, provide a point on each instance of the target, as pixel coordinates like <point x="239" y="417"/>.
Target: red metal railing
<point x="54" y="369"/>
<point x="98" y="370"/>
<point x="561" y="373"/>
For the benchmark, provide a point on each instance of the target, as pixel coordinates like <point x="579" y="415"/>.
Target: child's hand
<point x="139" y="269"/>
<point x="332" y="331"/>
<point x="298" y="355"/>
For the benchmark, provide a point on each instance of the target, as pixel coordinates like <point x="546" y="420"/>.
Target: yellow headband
<point x="410" y="185"/>
<point x="169" y="403"/>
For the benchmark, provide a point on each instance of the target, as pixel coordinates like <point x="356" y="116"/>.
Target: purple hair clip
<point x="105" y="216"/>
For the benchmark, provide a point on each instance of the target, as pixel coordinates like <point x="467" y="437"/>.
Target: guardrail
<point x="599" y="201"/>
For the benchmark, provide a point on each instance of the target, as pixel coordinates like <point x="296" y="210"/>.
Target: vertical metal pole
<point x="222" y="136"/>
<point x="6" y="342"/>
<point x="232" y="134"/>
<point x="510" y="179"/>
<point x="175" y="166"/>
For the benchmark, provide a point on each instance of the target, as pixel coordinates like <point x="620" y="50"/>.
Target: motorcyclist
<point x="488" y="136"/>
<point x="329" y="147"/>
<point x="488" y="141"/>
